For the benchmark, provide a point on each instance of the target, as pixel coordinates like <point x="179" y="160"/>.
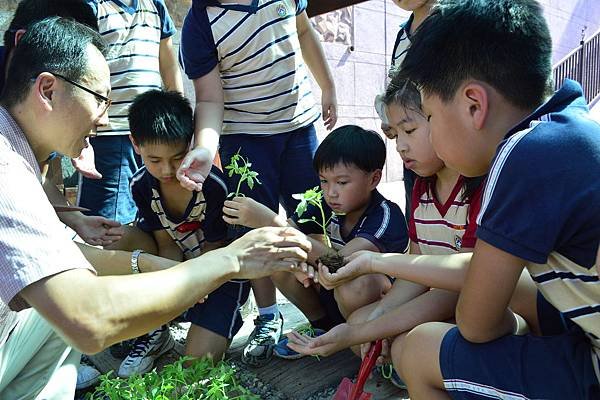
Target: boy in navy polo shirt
<point x="249" y="60"/>
<point x="349" y="162"/>
<point x="484" y="70"/>
<point x="184" y="224"/>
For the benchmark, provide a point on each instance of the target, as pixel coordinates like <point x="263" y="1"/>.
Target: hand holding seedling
<point x="357" y="264"/>
<point x="250" y="213"/>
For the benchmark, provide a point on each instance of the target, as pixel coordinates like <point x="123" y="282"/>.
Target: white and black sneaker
<point x="262" y="340"/>
<point x="87" y="374"/>
<point x="145" y="350"/>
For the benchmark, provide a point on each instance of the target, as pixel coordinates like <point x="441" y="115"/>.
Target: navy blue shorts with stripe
<point x="220" y="312"/>
<point x="560" y="366"/>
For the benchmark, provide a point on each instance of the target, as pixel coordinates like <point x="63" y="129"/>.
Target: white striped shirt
<point x="133" y="35"/>
<point x="265" y="81"/>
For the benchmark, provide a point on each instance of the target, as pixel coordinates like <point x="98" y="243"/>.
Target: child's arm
<point x="482" y="313"/>
<point x="208" y="116"/>
<point x="314" y="57"/>
<point x="169" y="67"/>
<point x="166" y="246"/>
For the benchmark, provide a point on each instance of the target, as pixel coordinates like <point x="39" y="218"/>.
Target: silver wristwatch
<point x="135" y="255"/>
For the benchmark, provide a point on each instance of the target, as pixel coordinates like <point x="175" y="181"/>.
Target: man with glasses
<point x="56" y="96"/>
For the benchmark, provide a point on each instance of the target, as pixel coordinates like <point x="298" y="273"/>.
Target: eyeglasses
<point x="103" y="101"/>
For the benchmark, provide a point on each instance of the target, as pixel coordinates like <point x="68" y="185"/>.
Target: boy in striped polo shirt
<point x="249" y="61"/>
<point x="184" y="224"/>
<point x="140" y="58"/>
<point x="484" y="71"/>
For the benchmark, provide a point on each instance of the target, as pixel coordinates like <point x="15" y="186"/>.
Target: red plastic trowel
<point x="354" y="391"/>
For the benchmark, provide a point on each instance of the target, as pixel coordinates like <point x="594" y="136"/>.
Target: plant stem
<point x="327" y="240"/>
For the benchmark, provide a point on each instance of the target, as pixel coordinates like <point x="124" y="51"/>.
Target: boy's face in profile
<point x="347" y="188"/>
<point x="162" y="160"/>
<point x="453" y="135"/>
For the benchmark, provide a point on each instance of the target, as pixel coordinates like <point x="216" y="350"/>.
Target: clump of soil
<point x="332" y="260"/>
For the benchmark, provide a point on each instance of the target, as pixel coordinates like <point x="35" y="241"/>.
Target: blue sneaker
<point x="389" y="372"/>
<point x="282" y="350"/>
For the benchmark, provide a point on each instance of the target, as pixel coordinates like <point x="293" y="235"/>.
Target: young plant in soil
<point x="238" y="165"/>
<point x="201" y="380"/>
<point x="333" y="260"/>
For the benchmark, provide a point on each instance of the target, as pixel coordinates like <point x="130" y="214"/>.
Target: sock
<point x="269" y="310"/>
<point x="324" y="323"/>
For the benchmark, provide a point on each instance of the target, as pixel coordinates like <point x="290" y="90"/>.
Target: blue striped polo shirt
<point x="202" y="220"/>
<point x="133" y="35"/>
<point x="266" y="85"/>
<point x="538" y="204"/>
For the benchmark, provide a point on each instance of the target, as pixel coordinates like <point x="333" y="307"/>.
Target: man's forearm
<point x="95" y="312"/>
<point x="117" y="262"/>
<point x="436" y="271"/>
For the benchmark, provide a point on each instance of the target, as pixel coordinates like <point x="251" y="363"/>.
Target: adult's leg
<point x="110" y="196"/>
<point x="35" y="362"/>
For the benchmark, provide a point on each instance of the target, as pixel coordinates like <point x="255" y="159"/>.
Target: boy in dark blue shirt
<point x="484" y="71"/>
<point x="184" y="224"/>
<point x="349" y="162"/>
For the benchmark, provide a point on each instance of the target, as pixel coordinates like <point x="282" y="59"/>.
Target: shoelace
<point x="142" y="345"/>
<point x="264" y="328"/>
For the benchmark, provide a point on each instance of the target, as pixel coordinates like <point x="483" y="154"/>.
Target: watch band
<point x="135" y="255"/>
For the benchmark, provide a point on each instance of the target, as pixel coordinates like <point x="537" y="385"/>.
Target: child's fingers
<point x="229" y="220"/>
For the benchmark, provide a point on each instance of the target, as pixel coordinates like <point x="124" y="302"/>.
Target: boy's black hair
<point x="404" y="93"/>
<point x="56" y="45"/>
<point x="351" y="145"/>
<point x="504" y="43"/>
<point x="160" y="117"/>
<point x="30" y="11"/>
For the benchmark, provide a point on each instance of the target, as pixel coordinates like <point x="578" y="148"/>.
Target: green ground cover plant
<point x="201" y="380"/>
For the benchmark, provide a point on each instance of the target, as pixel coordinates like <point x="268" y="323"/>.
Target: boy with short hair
<point x="484" y="71"/>
<point x="250" y="61"/>
<point x="141" y="58"/>
<point x="349" y="162"/>
<point x="184" y="224"/>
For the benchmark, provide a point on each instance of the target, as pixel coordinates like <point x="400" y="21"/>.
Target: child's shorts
<point x="220" y="312"/>
<point x="522" y="367"/>
<point x="327" y="300"/>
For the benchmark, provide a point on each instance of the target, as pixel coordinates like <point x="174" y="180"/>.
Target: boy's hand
<point x="85" y="163"/>
<point x="307" y="275"/>
<point x="248" y="212"/>
<point x="336" y="339"/>
<point x="263" y="251"/>
<point x="194" y="168"/>
<point x="358" y="264"/>
<point x="329" y="108"/>
<point x="98" y="231"/>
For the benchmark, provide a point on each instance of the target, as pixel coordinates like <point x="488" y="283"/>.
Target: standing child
<point x="484" y="71"/>
<point x="248" y="60"/>
<point x="184" y="224"/>
<point x="349" y="162"/>
<point x="140" y="58"/>
<point x="419" y="11"/>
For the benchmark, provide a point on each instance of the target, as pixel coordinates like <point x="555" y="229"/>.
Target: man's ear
<point x="135" y="145"/>
<point x="375" y="179"/>
<point x="476" y="98"/>
<point x="18" y="35"/>
<point x="44" y="87"/>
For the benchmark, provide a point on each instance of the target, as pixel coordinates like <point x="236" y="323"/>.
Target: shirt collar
<point x="17" y="139"/>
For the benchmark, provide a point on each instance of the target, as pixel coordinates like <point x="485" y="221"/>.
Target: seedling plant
<point x="333" y="260"/>
<point x="238" y="165"/>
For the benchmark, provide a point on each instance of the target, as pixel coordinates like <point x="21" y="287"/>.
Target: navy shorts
<point x="560" y="366"/>
<point x="220" y="313"/>
<point x="327" y="300"/>
<point x="283" y="162"/>
<point x="110" y="196"/>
